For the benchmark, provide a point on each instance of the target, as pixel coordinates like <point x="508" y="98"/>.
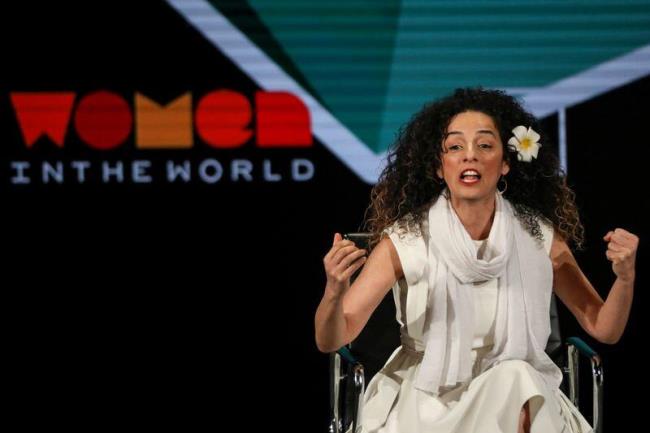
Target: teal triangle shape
<point x="344" y="50"/>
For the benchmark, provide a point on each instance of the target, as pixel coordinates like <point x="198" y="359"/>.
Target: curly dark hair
<point x="408" y="184"/>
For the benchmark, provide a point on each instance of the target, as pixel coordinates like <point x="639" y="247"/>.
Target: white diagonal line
<point x="590" y="83"/>
<point x="269" y="76"/>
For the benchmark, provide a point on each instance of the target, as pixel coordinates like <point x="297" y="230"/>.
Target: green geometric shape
<point x="344" y="50"/>
<point x="374" y="64"/>
<point x="442" y="45"/>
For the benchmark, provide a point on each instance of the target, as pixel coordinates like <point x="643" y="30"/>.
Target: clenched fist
<point x="621" y="251"/>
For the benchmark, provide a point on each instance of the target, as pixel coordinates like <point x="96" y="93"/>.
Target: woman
<point x="471" y="223"/>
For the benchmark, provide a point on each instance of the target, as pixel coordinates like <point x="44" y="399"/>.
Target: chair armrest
<point x="582" y="347"/>
<point x="347" y="355"/>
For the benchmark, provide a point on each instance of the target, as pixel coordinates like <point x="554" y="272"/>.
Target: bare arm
<point x="603" y="320"/>
<point x="345" y="309"/>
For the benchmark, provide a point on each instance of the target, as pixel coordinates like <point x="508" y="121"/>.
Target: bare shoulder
<point x="560" y="252"/>
<point x="377" y="277"/>
<point x="379" y="273"/>
<point x="386" y="249"/>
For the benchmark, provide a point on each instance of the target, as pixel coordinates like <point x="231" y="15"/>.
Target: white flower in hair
<point x="526" y="143"/>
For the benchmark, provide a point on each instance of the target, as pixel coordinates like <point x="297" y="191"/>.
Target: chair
<point x="353" y="365"/>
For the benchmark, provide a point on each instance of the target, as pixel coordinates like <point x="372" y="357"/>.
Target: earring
<point x="505" y="187"/>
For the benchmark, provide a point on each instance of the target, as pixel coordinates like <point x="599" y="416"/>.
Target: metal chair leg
<point x="576" y="346"/>
<point x="359" y="389"/>
<point x="598" y="380"/>
<point x="574" y="366"/>
<point x="335" y="393"/>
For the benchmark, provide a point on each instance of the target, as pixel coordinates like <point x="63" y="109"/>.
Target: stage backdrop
<point x="172" y="173"/>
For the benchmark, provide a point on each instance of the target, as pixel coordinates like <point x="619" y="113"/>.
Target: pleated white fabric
<point x="491" y="401"/>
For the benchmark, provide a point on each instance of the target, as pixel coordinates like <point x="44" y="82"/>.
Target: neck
<point x="476" y="215"/>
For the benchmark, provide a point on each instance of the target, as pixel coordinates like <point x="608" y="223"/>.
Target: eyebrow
<point x="480" y="131"/>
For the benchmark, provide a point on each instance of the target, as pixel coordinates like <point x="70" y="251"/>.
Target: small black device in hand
<point x="360" y="239"/>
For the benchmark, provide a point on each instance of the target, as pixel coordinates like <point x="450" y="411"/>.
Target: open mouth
<point x="470" y="176"/>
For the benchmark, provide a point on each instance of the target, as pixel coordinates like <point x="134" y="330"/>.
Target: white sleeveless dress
<point x="490" y="403"/>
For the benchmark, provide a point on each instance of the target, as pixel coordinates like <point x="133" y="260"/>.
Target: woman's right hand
<point x="341" y="261"/>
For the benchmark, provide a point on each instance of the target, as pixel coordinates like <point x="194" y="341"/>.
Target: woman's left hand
<point x="621" y="251"/>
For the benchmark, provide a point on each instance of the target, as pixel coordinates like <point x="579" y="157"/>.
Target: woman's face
<point x="472" y="142"/>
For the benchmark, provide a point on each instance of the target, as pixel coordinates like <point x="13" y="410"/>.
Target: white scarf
<point x="524" y="283"/>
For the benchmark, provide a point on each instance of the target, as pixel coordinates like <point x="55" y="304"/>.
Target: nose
<point x="470" y="154"/>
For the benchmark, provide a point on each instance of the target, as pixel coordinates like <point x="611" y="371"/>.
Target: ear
<point x="439" y="173"/>
<point x="505" y="167"/>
